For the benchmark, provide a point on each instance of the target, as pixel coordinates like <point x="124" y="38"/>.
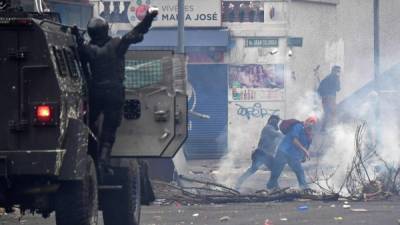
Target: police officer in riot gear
<point x="104" y="57"/>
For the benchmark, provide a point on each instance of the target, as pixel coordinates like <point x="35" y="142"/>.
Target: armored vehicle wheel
<point x="77" y="201"/>
<point x="122" y="207"/>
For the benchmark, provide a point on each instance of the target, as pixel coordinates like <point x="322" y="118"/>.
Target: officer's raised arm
<point x="136" y="34"/>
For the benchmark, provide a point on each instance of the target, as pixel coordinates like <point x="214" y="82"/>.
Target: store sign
<point x="295" y="42"/>
<point x="198" y="13"/>
<point x="261" y="42"/>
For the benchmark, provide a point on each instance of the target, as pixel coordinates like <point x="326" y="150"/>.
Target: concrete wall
<point x="390" y="33"/>
<point x="341" y="34"/>
<point x="355" y="28"/>
<point x="316" y="23"/>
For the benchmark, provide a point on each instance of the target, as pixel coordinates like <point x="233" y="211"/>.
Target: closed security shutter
<point x="207" y="136"/>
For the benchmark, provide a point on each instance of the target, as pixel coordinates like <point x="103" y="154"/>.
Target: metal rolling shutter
<point x="208" y="137"/>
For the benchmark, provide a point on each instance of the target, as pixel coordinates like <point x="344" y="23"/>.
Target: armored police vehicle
<point x="45" y="162"/>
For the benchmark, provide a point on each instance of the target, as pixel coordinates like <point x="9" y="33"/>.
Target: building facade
<point x="313" y="35"/>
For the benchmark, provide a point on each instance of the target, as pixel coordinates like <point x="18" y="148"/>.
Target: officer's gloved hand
<point x="153" y="11"/>
<point x="75" y="30"/>
<point x="144" y="26"/>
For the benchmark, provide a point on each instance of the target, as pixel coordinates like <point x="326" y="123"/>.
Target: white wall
<point x="316" y="23"/>
<point x="355" y="27"/>
<point x="390" y="33"/>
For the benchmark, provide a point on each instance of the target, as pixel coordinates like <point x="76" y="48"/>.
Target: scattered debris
<point x="346" y="206"/>
<point x="178" y="205"/>
<point x="205" y="192"/>
<point x="159" y="201"/>
<point x="268" y="222"/>
<point x="158" y="218"/>
<point x="284" y="219"/>
<point x="195" y="215"/>
<point x="362" y="182"/>
<point x="338" y="218"/>
<point x="359" y="183"/>
<point x="224" y="219"/>
<point x="2" y="212"/>
<point x="302" y="208"/>
<point x="359" y="210"/>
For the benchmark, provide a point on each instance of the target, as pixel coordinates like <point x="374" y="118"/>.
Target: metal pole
<point x="377" y="71"/>
<point x="181" y="26"/>
<point x="376" y="44"/>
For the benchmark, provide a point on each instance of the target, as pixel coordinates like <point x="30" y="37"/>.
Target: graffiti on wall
<point x="255" y="111"/>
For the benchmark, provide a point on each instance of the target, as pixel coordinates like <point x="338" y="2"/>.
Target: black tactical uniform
<point x="105" y="58"/>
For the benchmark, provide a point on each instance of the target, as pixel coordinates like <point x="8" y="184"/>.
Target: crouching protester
<point x="293" y="150"/>
<point x="263" y="155"/>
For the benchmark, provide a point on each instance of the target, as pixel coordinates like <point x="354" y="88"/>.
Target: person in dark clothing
<point x="263" y="155"/>
<point x="293" y="150"/>
<point x="105" y="58"/>
<point x="327" y="89"/>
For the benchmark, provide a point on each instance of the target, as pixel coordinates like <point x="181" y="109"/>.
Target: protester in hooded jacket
<point x="264" y="154"/>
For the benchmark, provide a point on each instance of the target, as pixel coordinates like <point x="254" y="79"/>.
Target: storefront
<point x="257" y="69"/>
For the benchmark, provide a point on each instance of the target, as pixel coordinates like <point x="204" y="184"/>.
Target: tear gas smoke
<point x="336" y="148"/>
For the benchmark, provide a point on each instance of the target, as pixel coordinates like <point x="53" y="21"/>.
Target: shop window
<point x="243" y="11"/>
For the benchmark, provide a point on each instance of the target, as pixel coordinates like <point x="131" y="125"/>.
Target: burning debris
<point x="368" y="177"/>
<point x="207" y="192"/>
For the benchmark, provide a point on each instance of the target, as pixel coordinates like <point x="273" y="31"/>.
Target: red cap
<point x="311" y="120"/>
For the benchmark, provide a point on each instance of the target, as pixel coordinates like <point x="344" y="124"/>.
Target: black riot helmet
<point x="97" y="28"/>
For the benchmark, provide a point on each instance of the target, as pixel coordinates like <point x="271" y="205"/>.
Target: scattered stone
<point x="359" y="210"/>
<point x="2" y="212"/>
<point x="338" y="218"/>
<point x="224" y="219"/>
<point x="302" y="208"/>
<point x="157" y="218"/>
<point x="268" y="222"/>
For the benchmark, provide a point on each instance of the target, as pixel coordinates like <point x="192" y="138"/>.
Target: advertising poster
<point x="198" y="13"/>
<point x="256" y="82"/>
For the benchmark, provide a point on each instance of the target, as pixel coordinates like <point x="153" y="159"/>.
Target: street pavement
<point x="272" y="213"/>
